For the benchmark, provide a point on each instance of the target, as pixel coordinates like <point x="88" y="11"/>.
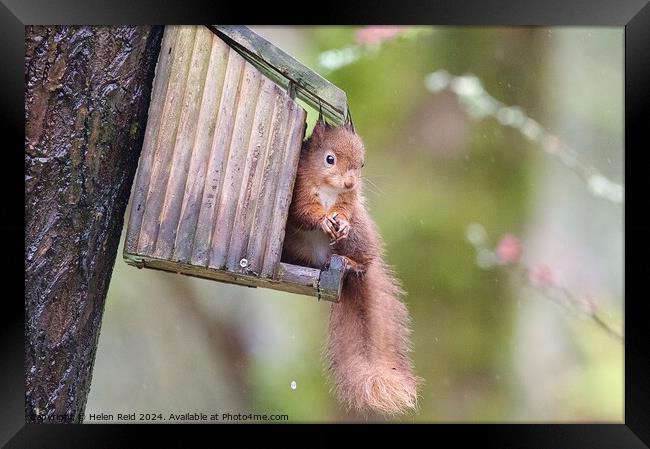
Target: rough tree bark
<point x="87" y="92"/>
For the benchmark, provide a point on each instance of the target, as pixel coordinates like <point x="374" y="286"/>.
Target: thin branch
<point x="335" y="59"/>
<point x="479" y="104"/>
<point x="508" y="256"/>
<point x="563" y="297"/>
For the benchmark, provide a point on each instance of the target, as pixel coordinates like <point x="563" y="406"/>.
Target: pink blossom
<point x="375" y="34"/>
<point x="542" y="276"/>
<point x="509" y="249"/>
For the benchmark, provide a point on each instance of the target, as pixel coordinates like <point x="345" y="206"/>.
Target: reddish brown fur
<point x="368" y="335"/>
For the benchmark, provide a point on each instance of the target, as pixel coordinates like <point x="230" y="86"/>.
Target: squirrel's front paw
<point x="329" y="227"/>
<point x="342" y="227"/>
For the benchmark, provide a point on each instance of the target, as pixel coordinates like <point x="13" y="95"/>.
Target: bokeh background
<point x="494" y="171"/>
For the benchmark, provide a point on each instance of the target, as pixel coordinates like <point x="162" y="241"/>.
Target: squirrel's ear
<point x="320" y="126"/>
<point x="348" y="123"/>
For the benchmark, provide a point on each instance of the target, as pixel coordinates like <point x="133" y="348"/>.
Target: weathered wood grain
<point x="196" y="176"/>
<point x="219" y="153"/>
<point x="264" y="209"/>
<point x="251" y="178"/>
<point x="285" y="181"/>
<point x="182" y="153"/>
<point x="159" y="93"/>
<point x="166" y="139"/>
<point x="248" y="96"/>
<point x="282" y="68"/>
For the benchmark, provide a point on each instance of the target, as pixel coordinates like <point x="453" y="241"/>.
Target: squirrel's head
<point x="334" y="156"/>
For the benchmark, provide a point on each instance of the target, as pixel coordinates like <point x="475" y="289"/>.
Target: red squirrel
<point x="368" y="333"/>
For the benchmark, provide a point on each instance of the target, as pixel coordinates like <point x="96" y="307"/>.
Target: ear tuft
<point x="348" y="123"/>
<point x="320" y="126"/>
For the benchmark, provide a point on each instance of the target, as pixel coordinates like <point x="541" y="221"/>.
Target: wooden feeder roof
<point x="286" y="71"/>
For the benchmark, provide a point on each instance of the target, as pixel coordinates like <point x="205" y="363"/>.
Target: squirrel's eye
<point x="329" y="159"/>
<point x="363" y="164"/>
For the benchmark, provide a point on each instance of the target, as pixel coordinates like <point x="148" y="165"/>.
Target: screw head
<point x="243" y="263"/>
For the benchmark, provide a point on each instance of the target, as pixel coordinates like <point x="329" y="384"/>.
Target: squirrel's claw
<point x="342" y="228"/>
<point x="342" y="234"/>
<point x="328" y="228"/>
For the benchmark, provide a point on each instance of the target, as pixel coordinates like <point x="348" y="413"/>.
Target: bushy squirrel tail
<point x="368" y="344"/>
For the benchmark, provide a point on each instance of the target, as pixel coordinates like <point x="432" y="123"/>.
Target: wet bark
<point x="87" y="92"/>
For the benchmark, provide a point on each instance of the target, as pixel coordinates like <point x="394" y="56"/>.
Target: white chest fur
<point x="327" y="196"/>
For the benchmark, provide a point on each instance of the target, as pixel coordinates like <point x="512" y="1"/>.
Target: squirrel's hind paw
<point x="354" y="267"/>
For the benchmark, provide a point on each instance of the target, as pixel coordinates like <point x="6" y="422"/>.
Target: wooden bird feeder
<point x="218" y="163"/>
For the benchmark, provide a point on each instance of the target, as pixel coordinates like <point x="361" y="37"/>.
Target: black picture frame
<point x="634" y="15"/>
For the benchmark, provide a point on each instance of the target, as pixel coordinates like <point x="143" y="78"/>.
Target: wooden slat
<point x="282" y="68"/>
<point x="251" y="178"/>
<point x="265" y="201"/>
<point x="158" y="95"/>
<point x="196" y="175"/>
<point x="285" y="181"/>
<point x="306" y="278"/>
<point x="219" y="153"/>
<point x="248" y="94"/>
<point x="182" y="152"/>
<point x="166" y="140"/>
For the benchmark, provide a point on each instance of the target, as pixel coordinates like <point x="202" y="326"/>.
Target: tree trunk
<point x="86" y="98"/>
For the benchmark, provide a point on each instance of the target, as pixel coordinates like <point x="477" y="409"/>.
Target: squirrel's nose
<point x="349" y="183"/>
